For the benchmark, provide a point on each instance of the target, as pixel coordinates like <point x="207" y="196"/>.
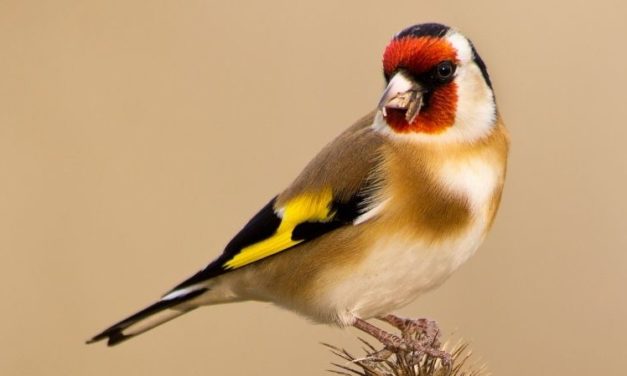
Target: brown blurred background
<point x="137" y="136"/>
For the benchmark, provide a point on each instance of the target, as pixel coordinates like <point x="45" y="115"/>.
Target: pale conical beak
<point x="402" y="93"/>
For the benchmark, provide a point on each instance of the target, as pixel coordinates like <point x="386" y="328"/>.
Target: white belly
<point x="399" y="269"/>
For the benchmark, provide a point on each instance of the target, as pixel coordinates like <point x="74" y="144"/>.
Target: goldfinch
<point x="385" y="212"/>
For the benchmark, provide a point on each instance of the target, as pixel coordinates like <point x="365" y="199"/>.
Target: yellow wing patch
<point x="307" y="207"/>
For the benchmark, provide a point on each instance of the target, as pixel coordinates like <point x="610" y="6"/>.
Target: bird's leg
<point x="395" y="343"/>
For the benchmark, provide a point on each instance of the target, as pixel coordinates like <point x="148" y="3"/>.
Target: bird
<point x="383" y="213"/>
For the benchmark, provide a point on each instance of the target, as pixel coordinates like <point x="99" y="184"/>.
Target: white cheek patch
<point x="476" y="110"/>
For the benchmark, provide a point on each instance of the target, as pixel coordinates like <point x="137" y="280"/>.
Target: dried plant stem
<point x="404" y="361"/>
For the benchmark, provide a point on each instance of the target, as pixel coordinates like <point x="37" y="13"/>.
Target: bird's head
<point x="438" y="88"/>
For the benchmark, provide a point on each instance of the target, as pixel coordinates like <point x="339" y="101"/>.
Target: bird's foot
<point x="411" y="341"/>
<point x="422" y="329"/>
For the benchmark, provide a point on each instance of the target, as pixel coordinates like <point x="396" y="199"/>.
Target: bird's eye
<point x="444" y="71"/>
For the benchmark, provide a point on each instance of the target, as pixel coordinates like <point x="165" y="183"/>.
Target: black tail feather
<point x="115" y="335"/>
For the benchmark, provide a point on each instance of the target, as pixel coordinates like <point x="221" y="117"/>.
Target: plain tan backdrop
<point x="137" y="136"/>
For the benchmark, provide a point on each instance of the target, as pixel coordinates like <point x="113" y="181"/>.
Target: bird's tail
<point x="169" y="307"/>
